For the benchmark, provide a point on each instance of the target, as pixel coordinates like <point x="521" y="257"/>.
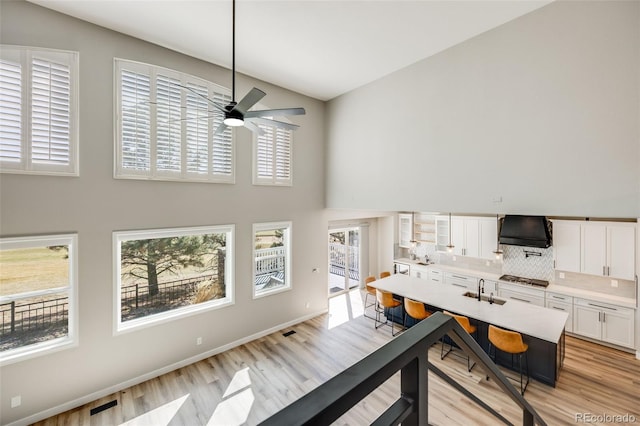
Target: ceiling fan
<point x="237" y="114"/>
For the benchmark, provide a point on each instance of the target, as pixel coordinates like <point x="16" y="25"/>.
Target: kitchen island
<point x="542" y="328"/>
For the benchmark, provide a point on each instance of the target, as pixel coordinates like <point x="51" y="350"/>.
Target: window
<point x="272" y="156"/>
<point x="271" y="258"/>
<point x="38" y="288"/>
<point x="38" y="111"/>
<point x="168" y="273"/>
<point x="166" y="127"/>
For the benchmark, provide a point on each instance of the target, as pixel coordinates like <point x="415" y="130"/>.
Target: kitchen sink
<point x="484" y="298"/>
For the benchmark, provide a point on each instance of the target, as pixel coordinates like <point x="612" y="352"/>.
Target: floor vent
<point x="288" y="333"/>
<point x="103" y="407"/>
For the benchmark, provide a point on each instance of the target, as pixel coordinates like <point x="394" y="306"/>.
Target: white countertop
<point x="535" y="321"/>
<point x="627" y="302"/>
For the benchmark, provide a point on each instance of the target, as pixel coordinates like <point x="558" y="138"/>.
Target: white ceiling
<point x="318" y="48"/>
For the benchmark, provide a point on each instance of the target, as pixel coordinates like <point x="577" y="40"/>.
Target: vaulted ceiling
<point x="318" y="48"/>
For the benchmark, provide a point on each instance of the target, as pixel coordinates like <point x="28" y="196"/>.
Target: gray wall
<point x="542" y="112"/>
<point x="95" y="204"/>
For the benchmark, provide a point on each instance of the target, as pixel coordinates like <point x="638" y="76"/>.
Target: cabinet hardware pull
<point x="604" y="317"/>
<point x="558" y="297"/>
<point x="604" y="307"/>
<point x="604" y="268"/>
<point x="560" y="309"/>
<point x="599" y="316"/>
<point x="608" y="271"/>
<point x="458" y="276"/>
<point x="459" y="285"/>
<point x="522" y="300"/>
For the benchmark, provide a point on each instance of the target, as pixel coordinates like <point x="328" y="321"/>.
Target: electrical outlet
<point x="199" y="341"/>
<point x="561" y="275"/>
<point x="307" y="305"/>
<point x="488" y="263"/>
<point x="16" y="401"/>
<point x="614" y="283"/>
<point x="454" y="258"/>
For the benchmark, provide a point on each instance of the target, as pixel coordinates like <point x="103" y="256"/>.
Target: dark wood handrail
<point x="407" y="353"/>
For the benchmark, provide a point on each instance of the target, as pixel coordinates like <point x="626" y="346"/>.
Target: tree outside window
<point x="164" y="273"/>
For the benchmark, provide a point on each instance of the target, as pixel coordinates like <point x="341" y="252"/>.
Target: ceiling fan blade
<point x="275" y="123"/>
<point x="275" y="112"/>
<point x="220" y="130"/>
<point x="220" y="107"/>
<point x="249" y="100"/>
<point x="255" y="129"/>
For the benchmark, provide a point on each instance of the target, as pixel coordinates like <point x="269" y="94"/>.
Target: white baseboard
<point x="152" y="374"/>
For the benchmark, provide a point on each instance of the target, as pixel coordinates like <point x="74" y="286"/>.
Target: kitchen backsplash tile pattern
<point x="516" y="262"/>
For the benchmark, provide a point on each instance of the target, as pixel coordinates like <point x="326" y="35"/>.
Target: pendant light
<point x="497" y="251"/>
<point x="450" y="246"/>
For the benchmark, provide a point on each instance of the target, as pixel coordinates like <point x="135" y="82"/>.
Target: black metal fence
<point x="23" y="317"/>
<point x="41" y="318"/>
<point x="137" y="295"/>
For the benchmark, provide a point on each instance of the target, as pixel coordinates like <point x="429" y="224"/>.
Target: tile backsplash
<point x="517" y="262"/>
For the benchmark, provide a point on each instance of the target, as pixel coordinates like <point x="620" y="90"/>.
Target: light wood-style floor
<point x="249" y="383"/>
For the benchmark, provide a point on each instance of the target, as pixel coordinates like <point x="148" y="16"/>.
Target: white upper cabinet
<point x="566" y="245"/>
<point x="488" y="237"/>
<point x="621" y="243"/>
<point x="608" y="249"/>
<point x="405" y="229"/>
<point x="472" y="236"/>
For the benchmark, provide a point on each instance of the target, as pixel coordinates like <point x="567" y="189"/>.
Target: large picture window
<point x="38" y="111"/>
<point x="271" y="258"/>
<point x="166" y="126"/>
<point x="167" y="273"/>
<point x="38" y="287"/>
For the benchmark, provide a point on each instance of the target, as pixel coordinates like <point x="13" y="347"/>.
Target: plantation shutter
<point x="272" y="161"/>
<point x="283" y="155"/>
<point x="50" y="112"/>
<point x="38" y="111"/>
<point x="169" y="126"/>
<point x="264" y="154"/>
<point x="135" y="94"/>
<point x="222" y="144"/>
<point x="10" y="111"/>
<point x="197" y="130"/>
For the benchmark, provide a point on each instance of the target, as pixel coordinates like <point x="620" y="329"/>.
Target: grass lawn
<point x="32" y="269"/>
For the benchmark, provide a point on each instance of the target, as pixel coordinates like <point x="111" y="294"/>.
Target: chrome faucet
<point x="480" y="288"/>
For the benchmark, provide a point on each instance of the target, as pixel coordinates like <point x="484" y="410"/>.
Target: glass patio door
<point x="344" y="260"/>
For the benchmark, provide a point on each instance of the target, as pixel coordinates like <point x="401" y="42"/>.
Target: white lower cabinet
<point x="436" y="275"/>
<point x="564" y="303"/>
<point x="462" y="281"/>
<point x="521" y="294"/>
<point x="419" y="273"/>
<point x="603" y="321"/>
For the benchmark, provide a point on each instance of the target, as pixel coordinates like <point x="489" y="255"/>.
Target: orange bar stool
<point x="371" y="291"/>
<point x="510" y="342"/>
<point x="415" y="310"/>
<point x="468" y="327"/>
<point x="385" y="300"/>
<point x="385" y="274"/>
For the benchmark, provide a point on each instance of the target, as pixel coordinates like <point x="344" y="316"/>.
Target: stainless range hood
<point x="526" y="231"/>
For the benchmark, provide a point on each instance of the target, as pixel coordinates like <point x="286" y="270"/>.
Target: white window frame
<point x="120" y="327"/>
<point x="273" y="180"/>
<point x="214" y="90"/>
<point x="71" y="339"/>
<point x="286" y="227"/>
<point x="26" y="165"/>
